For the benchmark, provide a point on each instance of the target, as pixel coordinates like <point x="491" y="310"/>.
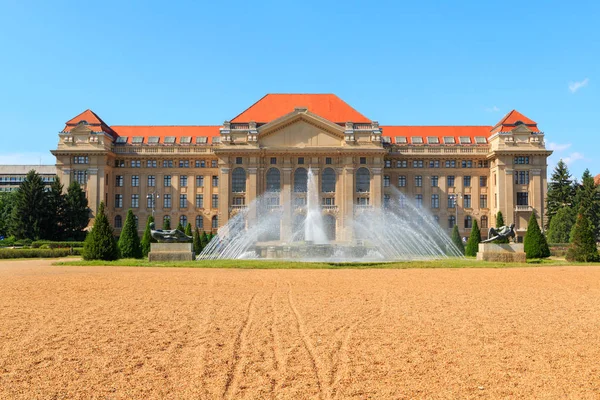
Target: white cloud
<point x="571" y="158"/>
<point x="27" y="159"/>
<point x="558" y="146"/>
<point x="575" y="86"/>
<point x="492" y="109"/>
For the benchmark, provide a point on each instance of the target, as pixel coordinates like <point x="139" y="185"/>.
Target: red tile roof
<point x="597" y="179"/>
<point x="94" y="122"/>
<point x="164" y="131"/>
<point x="436" y="131"/>
<point x="273" y="106"/>
<point x="508" y="123"/>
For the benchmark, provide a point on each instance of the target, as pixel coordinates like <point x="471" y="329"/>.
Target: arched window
<point x="451" y="221"/>
<point x="166" y="222"/>
<point x="484" y="222"/>
<point x="238" y="180"/>
<point x="519" y="123"/>
<point x="363" y="180"/>
<point x="328" y="183"/>
<point x="118" y="222"/>
<point x="468" y="222"/>
<point x="273" y="180"/>
<point x="183" y="221"/>
<point x="199" y="222"/>
<point x="215" y="222"/>
<point x="300" y="180"/>
<point x="329" y="226"/>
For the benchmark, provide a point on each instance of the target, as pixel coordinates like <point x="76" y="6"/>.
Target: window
<point x="213" y="163"/>
<point x="184" y="163"/>
<point x="201" y="139"/>
<point x="402" y="181"/>
<point x="417" y="163"/>
<point x="416" y="140"/>
<point x="467" y="201"/>
<point x="215" y="222"/>
<point x="483" y="164"/>
<point x="522" y="177"/>
<point x="215" y="181"/>
<point x="137" y="140"/>
<point x="434" y="164"/>
<point x="121" y="140"/>
<point x="363" y="180"/>
<point x="328" y="160"/>
<point x="401" y="164"/>
<point x="80" y="177"/>
<point x="169" y="140"/>
<point x="464" y="140"/>
<point x="199" y="201"/>
<point x="301" y="160"/>
<point x="151" y="181"/>
<point x="402" y="200"/>
<point x="118" y="222"/>
<point x="436" y="218"/>
<point x="362" y="201"/>
<point x="400" y="140"/>
<point x="419" y="200"/>
<point x="135" y="201"/>
<point x="480" y="140"/>
<point x="449" y="140"/>
<point x="418" y="181"/>
<point x="136" y="164"/>
<point x="483" y="201"/>
<point x="450" y="163"/>
<point x="153" y="140"/>
<point x="118" y="201"/>
<point x="328" y="181"/>
<point x="167" y="180"/>
<point x="386" y="181"/>
<point x="451" y="201"/>
<point x="435" y="201"/>
<point x="300" y="180"/>
<point x="521" y="160"/>
<point x="167" y="201"/>
<point x="450" y="181"/>
<point x="239" y="160"/>
<point x="363" y="160"/>
<point x="202" y="163"/>
<point x="199" y="180"/>
<point x="119" y="181"/>
<point x="273" y="180"/>
<point x="238" y="180"/>
<point x="433" y="140"/>
<point x="451" y="221"/>
<point x="185" y="140"/>
<point x="328" y="201"/>
<point x="119" y="163"/>
<point x="135" y="180"/>
<point x="466" y="181"/>
<point x="183" y="220"/>
<point x="183" y="201"/>
<point x="273" y="160"/>
<point x="183" y="181"/>
<point x="387" y="164"/>
<point x="386" y="200"/>
<point x="238" y="201"/>
<point x="434" y="181"/>
<point x="168" y="163"/>
<point x="150" y="201"/>
<point x="467" y="164"/>
<point x="522" y="198"/>
<point x="484" y="222"/>
<point x="81" y="160"/>
<point x="215" y="201"/>
<point x="483" y="181"/>
<point x="199" y="222"/>
<point x="468" y="222"/>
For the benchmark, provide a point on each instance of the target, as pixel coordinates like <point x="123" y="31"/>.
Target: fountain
<point x="400" y="230"/>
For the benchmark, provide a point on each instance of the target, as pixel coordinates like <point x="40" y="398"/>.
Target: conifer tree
<point x="561" y="191"/>
<point x="30" y="213"/>
<point x="54" y="228"/>
<point x="561" y="226"/>
<point x="197" y="242"/>
<point x="147" y="238"/>
<point x="129" y="241"/>
<point x="500" y="223"/>
<point x="457" y="240"/>
<point x="587" y="197"/>
<point x="535" y="243"/>
<point x="474" y="240"/>
<point x="77" y="213"/>
<point x="180" y="227"/>
<point x="583" y="245"/>
<point x="167" y="224"/>
<point x="204" y="239"/>
<point x="100" y="243"/>
<point x="188" y="229"/>
<point x="6" y="206"/>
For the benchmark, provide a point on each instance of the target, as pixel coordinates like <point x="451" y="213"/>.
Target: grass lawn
<point x="287" y="264"/>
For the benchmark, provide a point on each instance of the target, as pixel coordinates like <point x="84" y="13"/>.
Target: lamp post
<point x="152" y="196"/>
<point x="455" y="197"/>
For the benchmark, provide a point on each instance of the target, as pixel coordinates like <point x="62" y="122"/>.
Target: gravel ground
<point x="145" y="333"/>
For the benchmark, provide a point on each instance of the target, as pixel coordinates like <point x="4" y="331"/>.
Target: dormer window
<point x="201" y="140"/>
<point x="386" y="139"/>
<point x="464" y="140"/>
<point x="169" y="140"/>
<point x="82" y="122"/>
<point x="137" y="140"/>
<point x="121" y="140"/>
<point x="449" y="140"/>
<point x="216" y="139"/>
<point x="185" y="140"/>
<point x="480" y="140"/>
<point x="433" y="140"/>
<point x="519" y="123"/>
<point x="416" y="140"/>
<point x="153" y="140"/>
<point x="401" y="140"/>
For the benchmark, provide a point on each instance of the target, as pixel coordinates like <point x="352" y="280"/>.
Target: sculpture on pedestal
<point x="501" y="233"/>
<point x="172" y="236"/>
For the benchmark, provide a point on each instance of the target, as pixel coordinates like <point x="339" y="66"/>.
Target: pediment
<point x="81" y="129"/>
<point x="301" y="129"/>
<point x="521" y="129"/>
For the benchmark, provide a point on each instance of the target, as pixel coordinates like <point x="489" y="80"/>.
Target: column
<point x="251" y="188"/>
<point x="288" y="207"/>
<point x="224" y="178"/>
<point x="347" y="211"/>
<point x="376" y="188"/>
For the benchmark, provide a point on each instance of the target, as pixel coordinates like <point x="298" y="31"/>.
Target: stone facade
<point x="205" y="174"/>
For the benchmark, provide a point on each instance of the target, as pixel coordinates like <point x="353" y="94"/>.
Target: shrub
<point x="197" y="242"/>
<point x="499" y="224"/>
<point x="188" y="229"/>
<point x="457" y="240"/>
<point x="129" y="241"/>
<point x="535" y="243"/>
<point x="33" y="253"/>
<point x="55" y="245"/>
<point x="147" y="238"/>
<point x="474" y="240"/>
<point x="583" y="246"/>
<point x="561" y="225"/>
<point x="100" y="243"/>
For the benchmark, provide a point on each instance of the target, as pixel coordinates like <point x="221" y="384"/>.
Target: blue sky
<point x="200" y="63"/>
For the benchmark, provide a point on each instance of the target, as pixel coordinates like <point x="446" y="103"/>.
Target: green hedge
<point x="33" y="253"/>
<point x="55" y="245"/>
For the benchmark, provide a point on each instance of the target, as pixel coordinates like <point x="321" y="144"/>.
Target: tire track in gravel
<point x="279" y="359"/>
<point x="233" y="376"/>
<point x="321" y="383"/>
<point x="340" y="367"/>
<point x="202" y="354"/>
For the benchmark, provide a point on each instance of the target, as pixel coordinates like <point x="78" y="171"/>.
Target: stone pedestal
<point x="505" y="252"/>
<point x="171" y="252"/>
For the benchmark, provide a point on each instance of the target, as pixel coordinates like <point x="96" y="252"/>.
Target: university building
<point x="205" y="174"/>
